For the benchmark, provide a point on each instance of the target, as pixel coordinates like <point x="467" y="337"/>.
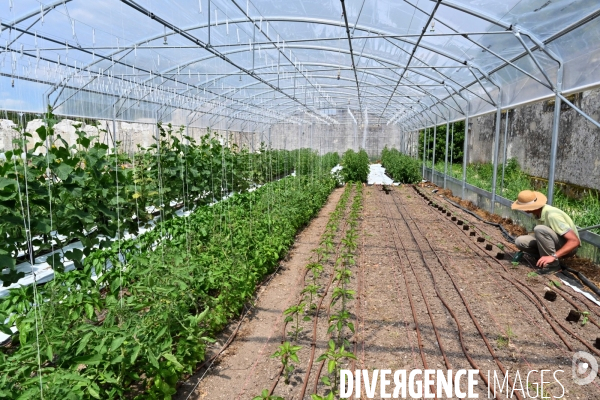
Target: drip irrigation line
<point x="528" y="316"/>
<point x="538" y="303"/>
<point x="505" y="233"/>
<point x="584" y="300"/>
<point x="584" y="279"/>
<point x="479" y="329"/>
<point x="572" y="303"/>
<point x="397" y="235"/>
<point x="459" y="327"/>
<point x="316" y="320"/>
<point x="437" y="335"/>
<point x="535" y="302"/>
<point x="511" y="239"/>
<point x="232" y="336"/>
<point x="320" y="369"/>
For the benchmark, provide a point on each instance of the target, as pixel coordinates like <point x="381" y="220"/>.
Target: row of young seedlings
<point x="550" y="295"/>
<point x="309" y="304"/>
<point x="340" y="320"/>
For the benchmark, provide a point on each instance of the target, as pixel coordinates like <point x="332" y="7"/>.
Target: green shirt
<point x="557" y="220"/>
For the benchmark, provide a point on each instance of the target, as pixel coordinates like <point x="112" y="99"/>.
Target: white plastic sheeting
<point x="262" y="61"/>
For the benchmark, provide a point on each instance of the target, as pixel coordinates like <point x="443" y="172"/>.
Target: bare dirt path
<point x="245" y="368"/>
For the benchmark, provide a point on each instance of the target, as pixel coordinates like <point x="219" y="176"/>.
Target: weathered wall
<point x="529" y="139"/>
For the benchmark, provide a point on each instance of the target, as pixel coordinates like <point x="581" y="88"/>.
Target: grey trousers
<point x="543" y="242"/>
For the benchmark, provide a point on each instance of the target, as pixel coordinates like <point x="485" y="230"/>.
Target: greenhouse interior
<point x="261" y="199"/>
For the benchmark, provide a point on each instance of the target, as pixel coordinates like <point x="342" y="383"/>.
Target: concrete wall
<point x="530" y="134"/>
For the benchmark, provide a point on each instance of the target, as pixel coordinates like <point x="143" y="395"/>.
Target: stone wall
<point x="530" y="135"/>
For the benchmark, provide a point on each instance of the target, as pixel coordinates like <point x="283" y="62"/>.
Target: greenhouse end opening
<point x="442" y="384"/>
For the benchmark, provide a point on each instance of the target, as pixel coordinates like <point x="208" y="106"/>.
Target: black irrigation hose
<point x="508" y="237"/>
<point x="505" y="233"/>
<point x="585" y="280"/>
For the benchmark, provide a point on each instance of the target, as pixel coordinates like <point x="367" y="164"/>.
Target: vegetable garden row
<point x="160" y="297"/>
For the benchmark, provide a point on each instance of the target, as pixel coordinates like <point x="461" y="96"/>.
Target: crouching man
<point x="556" y="237"/>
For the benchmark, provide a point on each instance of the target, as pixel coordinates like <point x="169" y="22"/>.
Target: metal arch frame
<point x="470" y="11"/>
<point x="299" y="20"/>
<point x="288" y="19"/>
<point x="44" y="9"/>
<point x="539" y="44"/>
<point x="317" y="48"/>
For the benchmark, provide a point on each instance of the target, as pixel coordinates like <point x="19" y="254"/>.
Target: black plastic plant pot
<point x="499" y="255"/>
<point x="473" y="233"/>
<point x="488" y="246"/>
<point x="465" y="227"/>
<point x="550" y="295"/>
<point x="459" y="222"/>
<point x="573" y="316"/>
<point x="448" y="214"/>
<point x="480" y="239"/>
<point x="597" y="343"/>
<point x="453" y="218"/>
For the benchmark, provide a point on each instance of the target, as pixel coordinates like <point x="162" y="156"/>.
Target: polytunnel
<point x="119" y="118"/>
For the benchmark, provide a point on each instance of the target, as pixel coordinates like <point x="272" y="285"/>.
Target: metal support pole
<point x="424" y="149"/>
<point x="495" y="155"/>
<point x="433" y="157"/>
<point x="446" y="160"/>
<point x="465" y="152"/>
<point x="505" y="149"/>
<point x="554" y="143"/>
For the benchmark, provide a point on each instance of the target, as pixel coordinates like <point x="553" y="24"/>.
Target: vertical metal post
<point x="555" y="128"/>
<point x="446" y="160"/>
<point x="465" y="152"/>
<point x="209" y="22"/>
<point x="495" y="155"/>
<point x="505" y="149"/>
<point x="452" y="152"/>
<point x="433" y="157"/>
<point x="424" y="149"/>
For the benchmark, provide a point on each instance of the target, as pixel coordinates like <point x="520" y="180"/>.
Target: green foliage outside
<point x="455" y="148"/>
<point x="584" y="212"/>
<point x="400" y="167"/>
<point x="355" y="166"/>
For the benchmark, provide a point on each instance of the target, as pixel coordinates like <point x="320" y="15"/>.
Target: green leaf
<point x="152" y="359"/>
<point x="170" y="357"/>
<point x="49" y="353"/>
<point x="136" y="352"/>
<point x="6" y="330"/>
<point x="41" y="131"/>
<point x="88" y="360"/>
<point x="63" y="171"/>
<point x="116" y="343"/>
<point x="93" y="393"/>
<point x="331" y="366"/>
<point x="84" y="341"/>
<point x="4" y="182"/>
<point x="89" y="310"/>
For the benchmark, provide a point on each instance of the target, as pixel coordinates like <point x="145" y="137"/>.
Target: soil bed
<point x="428" y="295"/>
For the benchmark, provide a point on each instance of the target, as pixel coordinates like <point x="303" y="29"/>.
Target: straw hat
<point x="528" y="200"/>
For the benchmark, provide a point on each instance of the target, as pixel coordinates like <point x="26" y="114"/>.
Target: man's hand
<point x="544" y="261"/>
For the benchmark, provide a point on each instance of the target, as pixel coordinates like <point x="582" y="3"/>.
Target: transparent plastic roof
<point x="268" y="61"/>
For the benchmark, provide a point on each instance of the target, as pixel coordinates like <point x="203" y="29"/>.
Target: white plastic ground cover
<point x="377" y="176"/>
<point x="586" y="294"/>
